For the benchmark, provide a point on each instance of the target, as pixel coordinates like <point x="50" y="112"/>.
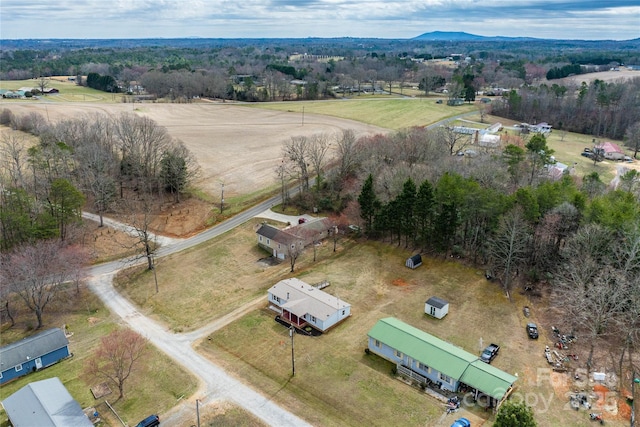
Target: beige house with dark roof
<point x="280" y="242"/>
<point x="303" y="305"/>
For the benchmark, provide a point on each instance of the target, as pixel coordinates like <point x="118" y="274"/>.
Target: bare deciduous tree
<point x="294" y="250"/>
<point x="509" y="248"/>
<point x="38" y="272"/>
<point x="586" y="284"/>
<point x="142" y="142"/>
<point x="317" y="151"/>
<point x="296" y="150"/>
<point x="116" y="358"/>
<point x="13" y="157"/>
<point x="455" y="142"/>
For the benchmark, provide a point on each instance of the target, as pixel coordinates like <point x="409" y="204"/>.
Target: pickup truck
<point x="490" y="353"/>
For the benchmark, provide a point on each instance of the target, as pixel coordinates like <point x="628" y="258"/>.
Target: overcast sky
<point x="402" y="19"/>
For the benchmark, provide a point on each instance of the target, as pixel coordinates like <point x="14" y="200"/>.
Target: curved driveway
<point x="217" y="384"/>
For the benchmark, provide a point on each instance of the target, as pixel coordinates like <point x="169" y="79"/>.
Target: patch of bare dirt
<point x="182" y="219"/>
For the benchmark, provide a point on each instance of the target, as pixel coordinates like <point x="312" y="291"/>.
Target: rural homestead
<point x="281" y="242"/>
<point x="428" y="359"/>
<point x="302" y="305"/>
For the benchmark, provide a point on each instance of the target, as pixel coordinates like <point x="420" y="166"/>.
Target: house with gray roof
<point x="280" y="242"/>
<point x="32" y="354"/>
<point x="45" y="403"/>
<point x="302" y="305"/>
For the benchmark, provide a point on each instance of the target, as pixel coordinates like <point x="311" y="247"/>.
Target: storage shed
<point x="414" y="261"/>
<point x="436" y="307"/>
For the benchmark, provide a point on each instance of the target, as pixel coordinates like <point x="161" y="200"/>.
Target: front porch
<point x="292" y="319"/>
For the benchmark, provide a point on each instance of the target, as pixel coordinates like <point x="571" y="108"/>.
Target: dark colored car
<point x="150" y="421"/>
<point x="532" y="330"/>
<point x="461" y="422"/>
<point x="490" y="353"/>
<point x="587" y="154"/>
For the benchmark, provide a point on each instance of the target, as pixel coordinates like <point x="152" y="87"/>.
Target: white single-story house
<point x="280" y="242"/>
<point x="301" y="305"/>
<point x="45" y="403"/>
<point x="426" y="358"/>
<point x="436" y="307"/>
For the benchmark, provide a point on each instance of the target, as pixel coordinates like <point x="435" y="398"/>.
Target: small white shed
<point x="436" y="307"/>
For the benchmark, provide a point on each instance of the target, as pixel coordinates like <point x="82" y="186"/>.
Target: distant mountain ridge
<point x="460" y="36"/>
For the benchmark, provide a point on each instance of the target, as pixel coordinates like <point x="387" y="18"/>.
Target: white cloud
<point x="571" y="19"/>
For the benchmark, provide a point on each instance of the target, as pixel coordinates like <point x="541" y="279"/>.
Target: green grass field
<point x="389" y="112"/>
<point x="69" y="91"/>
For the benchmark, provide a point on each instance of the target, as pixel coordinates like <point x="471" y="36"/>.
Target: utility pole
<point x="302" y="115"/>
<point x="198" y="412"/>
<point x="634" y="381"/>
<point x="293" y="360"/>
<point x="155" y="275"/>
<point x="222" y="199"/>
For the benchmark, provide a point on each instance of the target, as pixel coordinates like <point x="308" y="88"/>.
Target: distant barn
<point x="414" y="261"/>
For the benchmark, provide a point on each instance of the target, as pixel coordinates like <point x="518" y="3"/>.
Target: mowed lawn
<point x="154" y="387"/>
<point x="336" y="383"/>
<point x="388" y="112"/>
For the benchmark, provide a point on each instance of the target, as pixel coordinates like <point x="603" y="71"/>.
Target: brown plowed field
<point x="236" y="145"/>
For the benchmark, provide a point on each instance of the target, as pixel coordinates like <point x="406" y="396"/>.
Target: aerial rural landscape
<point x="272" y="229"/>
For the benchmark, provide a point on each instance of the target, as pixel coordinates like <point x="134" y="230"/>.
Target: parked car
<point x="588" y="154"/>
<point x="490" y="353"/>
<point x="461" y="422"/>
<point x="532" y="331"/>
<point x="150" y="421"/>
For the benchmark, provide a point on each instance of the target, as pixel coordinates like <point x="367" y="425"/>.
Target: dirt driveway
<point x="234" y="144"/>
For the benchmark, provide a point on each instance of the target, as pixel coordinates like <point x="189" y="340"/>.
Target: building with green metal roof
<point x="425" y="358"/>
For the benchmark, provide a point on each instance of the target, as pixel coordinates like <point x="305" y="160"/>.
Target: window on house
<point x="278" y="245"/>
<point x="398" y="354"/>
<point x="377" y="343"/>
<point x="445" y="378"/>
<point x="18" y="368"/>
<point x="260" y="238"/>
<point x="268" y="241"/>
<point x="293" y="246"/>
<point x="313" y="319"/>
<point x="424" y="367"/>
<point x="433" y="311"/>
<point x="343" y="311"/>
